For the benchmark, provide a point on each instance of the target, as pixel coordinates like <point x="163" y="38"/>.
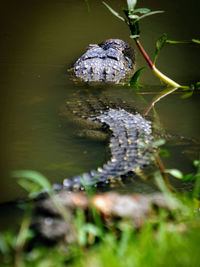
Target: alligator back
<point x="130" y="139"/>
<point x="111" y="61"/>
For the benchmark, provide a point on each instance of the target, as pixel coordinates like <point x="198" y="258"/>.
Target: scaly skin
<point x="130" y="136"/>
<point x="111" y="61"/>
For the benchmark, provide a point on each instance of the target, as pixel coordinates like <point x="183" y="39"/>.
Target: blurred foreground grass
<point x="164" y="240"/>
<point x="167" y="238"/>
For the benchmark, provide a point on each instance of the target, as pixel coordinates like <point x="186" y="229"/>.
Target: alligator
<point x="130" y="137"/>
<point x="130" y="147"/>
<point x="110" y="61"/>
<point x="130" y="134"/>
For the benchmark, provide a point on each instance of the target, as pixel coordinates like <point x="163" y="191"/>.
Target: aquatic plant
<point x="132" y="18"/>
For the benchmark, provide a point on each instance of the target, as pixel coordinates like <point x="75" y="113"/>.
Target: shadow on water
<point x="39" y="41"/>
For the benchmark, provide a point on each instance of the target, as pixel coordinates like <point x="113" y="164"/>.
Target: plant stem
<point x="146" y="57"/>
<point x="164" y="78"/>
<point x="21" y="240"/>
<point x="159" y="74"/>
<point x="158" y="97"/>
<point x="162" y="170"/>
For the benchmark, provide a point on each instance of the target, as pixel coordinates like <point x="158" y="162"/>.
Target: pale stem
<point x="159" y="74"/>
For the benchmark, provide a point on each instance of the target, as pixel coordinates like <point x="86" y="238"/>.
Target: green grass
<point x="168" y="238"/>
<point x="166" y="248"/>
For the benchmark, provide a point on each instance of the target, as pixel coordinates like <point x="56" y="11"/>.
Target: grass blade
<point x="34" y="177"/>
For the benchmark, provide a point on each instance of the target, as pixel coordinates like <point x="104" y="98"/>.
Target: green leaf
<point x="196" y="163"/>
<point x="172" y="201"/>
<point x="159" y="142"/>
<point x="141" y="10"/>
<point x="186" y="95"/>
<point x="29" y="186"/>
<point x="159" y="45"/>
<point x="4" y="248"/>
<point x="131" y="4"/>
<point x="149" y="14"/>
<point x="113" y="12"/>
<point x="33" y="176"/>
<point x="188" y="178"/>
<point x="177" y="42"/>
<point x="174" y="172"/>
<point x="161" y="41"/>
<point x="92" y="229"/>
<point x="197" y="85"/>
<point x="196" y="41"/>
<point x="82" y="237"/>
<point x="196" y="191"/>
<point x="135" y="79"/>
<point x="133" y="16"/>
<point x="164" y="153"/>
<point x="160" y="182"/>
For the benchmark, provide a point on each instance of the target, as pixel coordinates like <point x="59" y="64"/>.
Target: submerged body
<point x="130" y="139"/>
<point x="130" y="149"/>
<point x="111" y="61"/>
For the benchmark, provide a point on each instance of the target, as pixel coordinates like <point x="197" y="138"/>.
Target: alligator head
<point x="111" y="61"/>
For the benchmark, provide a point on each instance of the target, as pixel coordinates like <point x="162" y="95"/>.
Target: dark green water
<point x="40" y="40"/>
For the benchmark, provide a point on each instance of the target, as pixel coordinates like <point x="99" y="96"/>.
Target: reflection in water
<point x="39" y="41"/>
